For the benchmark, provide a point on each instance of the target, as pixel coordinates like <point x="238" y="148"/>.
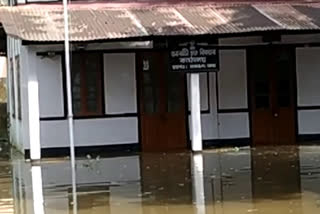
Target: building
<point x="265" y="92"/>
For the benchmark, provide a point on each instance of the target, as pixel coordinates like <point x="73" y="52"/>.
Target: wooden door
<point x="272" y="85"/>
<point x="162" y="103"/>
<point x="284" y="109"/>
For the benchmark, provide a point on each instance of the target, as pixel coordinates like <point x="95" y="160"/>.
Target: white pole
<point x="69" y="96"/>
<point x="195" y="112"/>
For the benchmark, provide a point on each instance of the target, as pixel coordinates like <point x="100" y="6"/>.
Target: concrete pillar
<point x="34" y="110"/>
<point x="195" y="112"/>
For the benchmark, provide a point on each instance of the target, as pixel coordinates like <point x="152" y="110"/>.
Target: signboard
<point x="193" y="56"/>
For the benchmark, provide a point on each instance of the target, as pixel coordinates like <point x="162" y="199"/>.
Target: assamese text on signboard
<point x="193" y="57"/>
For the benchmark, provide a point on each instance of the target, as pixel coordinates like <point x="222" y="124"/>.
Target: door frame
<point x="295" y="90"/>
<point x="139" y="110"/>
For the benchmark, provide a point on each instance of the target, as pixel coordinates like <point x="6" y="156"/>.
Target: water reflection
<point x="276" y="179"/>
<point x="37" y="193"/>
<point x="264" y="180"/>
<point x="6" y="200"/>
<point x="198" y="183"/>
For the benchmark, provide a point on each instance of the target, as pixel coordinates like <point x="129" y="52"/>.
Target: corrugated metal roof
<point x="103" y="21"/>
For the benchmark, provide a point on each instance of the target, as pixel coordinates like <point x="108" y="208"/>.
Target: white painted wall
<point x="233" y="94"/>
<point x="90" y="132"/>
<point x="49" y="71"/>
<point x="54" y="134"/>
<point x="308" y="76"/>
<point x="16" y="125"/>
<point x="106" y="131"/>
<point x="308" y="121"/>
<point x="24" y="59"/>
<point x="234" y="125"/>
<point x="23" y="130"/>
<point x="232" y="79"/>
<point x="210" y="121"/>
<point x="308" y="89"/>
<point x="120" y="83"/>
<point x="12" y="137"/>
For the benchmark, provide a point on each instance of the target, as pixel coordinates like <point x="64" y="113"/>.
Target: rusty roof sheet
<point x="105" y="22"/>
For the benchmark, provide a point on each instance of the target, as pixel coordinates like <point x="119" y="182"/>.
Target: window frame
<point x="84" y="112"/>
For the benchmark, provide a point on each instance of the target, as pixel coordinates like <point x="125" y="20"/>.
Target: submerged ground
<point x="262" y="180"/>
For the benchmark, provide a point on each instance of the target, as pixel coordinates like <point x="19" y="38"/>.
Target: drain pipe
<point x="69" y="101"/>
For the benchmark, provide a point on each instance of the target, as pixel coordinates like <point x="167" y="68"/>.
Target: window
<point x="86" y="72"/>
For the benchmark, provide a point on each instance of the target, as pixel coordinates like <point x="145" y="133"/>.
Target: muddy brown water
<point x="262" y="180"/>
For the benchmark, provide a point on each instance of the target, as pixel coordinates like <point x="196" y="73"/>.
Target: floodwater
<point x="262" y="180"/>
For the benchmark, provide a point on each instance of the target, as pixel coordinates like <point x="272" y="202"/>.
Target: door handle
<point x="276" y="115"/>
